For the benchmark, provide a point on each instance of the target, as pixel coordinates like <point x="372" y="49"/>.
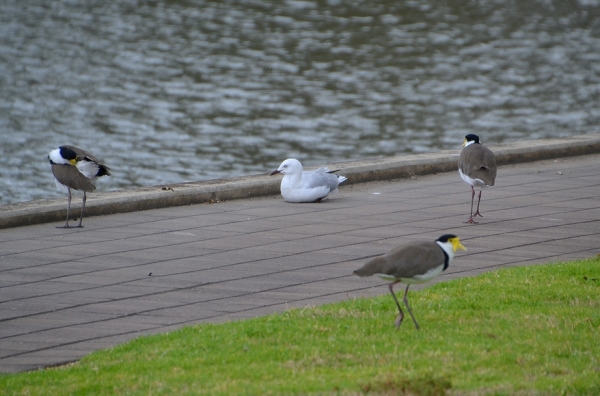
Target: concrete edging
<point x="51" y="210"/>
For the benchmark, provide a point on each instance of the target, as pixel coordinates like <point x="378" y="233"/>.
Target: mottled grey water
<point x="174" y="91"/>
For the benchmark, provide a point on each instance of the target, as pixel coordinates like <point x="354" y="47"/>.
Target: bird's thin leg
<point x="471" y="221"/>
<point x="408" y="307"/>
<point x="477" y="211"/>
<point x="68" y="210"/>
<point x="400" y="317"/>
<point x="82" y="208"/>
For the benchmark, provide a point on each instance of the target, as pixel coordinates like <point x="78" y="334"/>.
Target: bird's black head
<point x="449" y="243"/>
<point x="67" y="153"/>
<point x="445" y="238"/>
<point x="471" y="138"/>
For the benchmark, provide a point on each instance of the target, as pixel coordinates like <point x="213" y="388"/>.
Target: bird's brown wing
<point x="405" y="261"/>
<point x="478" y="162"/>
<point x="70" y="176"/>
<point x="415" y="259"/>
<point x="83" y="155"/>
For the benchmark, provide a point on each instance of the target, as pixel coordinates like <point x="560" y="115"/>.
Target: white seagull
<point x="311" y="186"/>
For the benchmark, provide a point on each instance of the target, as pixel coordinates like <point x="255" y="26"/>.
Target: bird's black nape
<point x="472" y="138"/>
<point x="444" y="238"/>
<point x="67" y="153"/>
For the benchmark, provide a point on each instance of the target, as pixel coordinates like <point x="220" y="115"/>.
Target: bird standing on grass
<point x="477" y="167"/>
<point x="312" y="186"/>
<point x="74" y="168"/>
<point x="413" y="263"/>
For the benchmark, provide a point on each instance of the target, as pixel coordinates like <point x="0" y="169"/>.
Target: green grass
<point x="530" y="331"/>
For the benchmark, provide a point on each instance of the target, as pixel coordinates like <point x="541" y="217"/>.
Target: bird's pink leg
<point x="68" y="210"/>
<point x="471" y="221"/>
<point x="82" y="208"/>
<point x="400" y="317"/>
<point x="477" y="211"/>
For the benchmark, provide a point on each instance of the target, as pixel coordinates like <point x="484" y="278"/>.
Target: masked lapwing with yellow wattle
<point x="77" y="169"/>
<point x="413" y="263"/>
<point x="477" y="167"/>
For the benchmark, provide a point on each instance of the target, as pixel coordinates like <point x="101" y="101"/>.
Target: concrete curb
<point x="55" y="210"/>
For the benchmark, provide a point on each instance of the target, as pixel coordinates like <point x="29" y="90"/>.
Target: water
<point x="175" y="91"/>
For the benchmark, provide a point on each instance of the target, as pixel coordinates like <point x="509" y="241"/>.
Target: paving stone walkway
<point x="65" y="293"/>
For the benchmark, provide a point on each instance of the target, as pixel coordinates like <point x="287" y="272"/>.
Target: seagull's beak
<point x="276" y="171"/>
<point x="464" y="143"/>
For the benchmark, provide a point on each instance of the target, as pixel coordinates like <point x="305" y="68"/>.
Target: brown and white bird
<point x="413" y="263"/>
<point x="477" y="167"/>
<point x="74" y="168"/>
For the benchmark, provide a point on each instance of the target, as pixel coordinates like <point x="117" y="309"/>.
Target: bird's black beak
<point x="276" y="171"/>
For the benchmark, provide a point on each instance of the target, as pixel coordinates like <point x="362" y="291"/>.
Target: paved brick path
<point x="65" y="293"/>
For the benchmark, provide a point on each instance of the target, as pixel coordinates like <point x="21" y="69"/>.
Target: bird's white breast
<point x="296" y="191"/>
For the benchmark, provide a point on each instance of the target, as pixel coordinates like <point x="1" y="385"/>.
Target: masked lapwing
<point x="74" y="168"/>
<point x="413" y="263"/>
<point x="311" y="186"/>
<point x="477" y="167"/>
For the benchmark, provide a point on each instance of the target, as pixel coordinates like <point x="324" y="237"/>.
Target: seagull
<point x="311" y="186"/>
<point x="477" y="167"/>
<point x="412" y="263"/>
<point x="74" y="168"/>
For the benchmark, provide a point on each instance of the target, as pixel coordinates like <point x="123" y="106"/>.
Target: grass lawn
<point x="526" y="331"/>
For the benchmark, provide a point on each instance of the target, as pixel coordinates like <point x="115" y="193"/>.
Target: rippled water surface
<point x="175" y="91"/>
